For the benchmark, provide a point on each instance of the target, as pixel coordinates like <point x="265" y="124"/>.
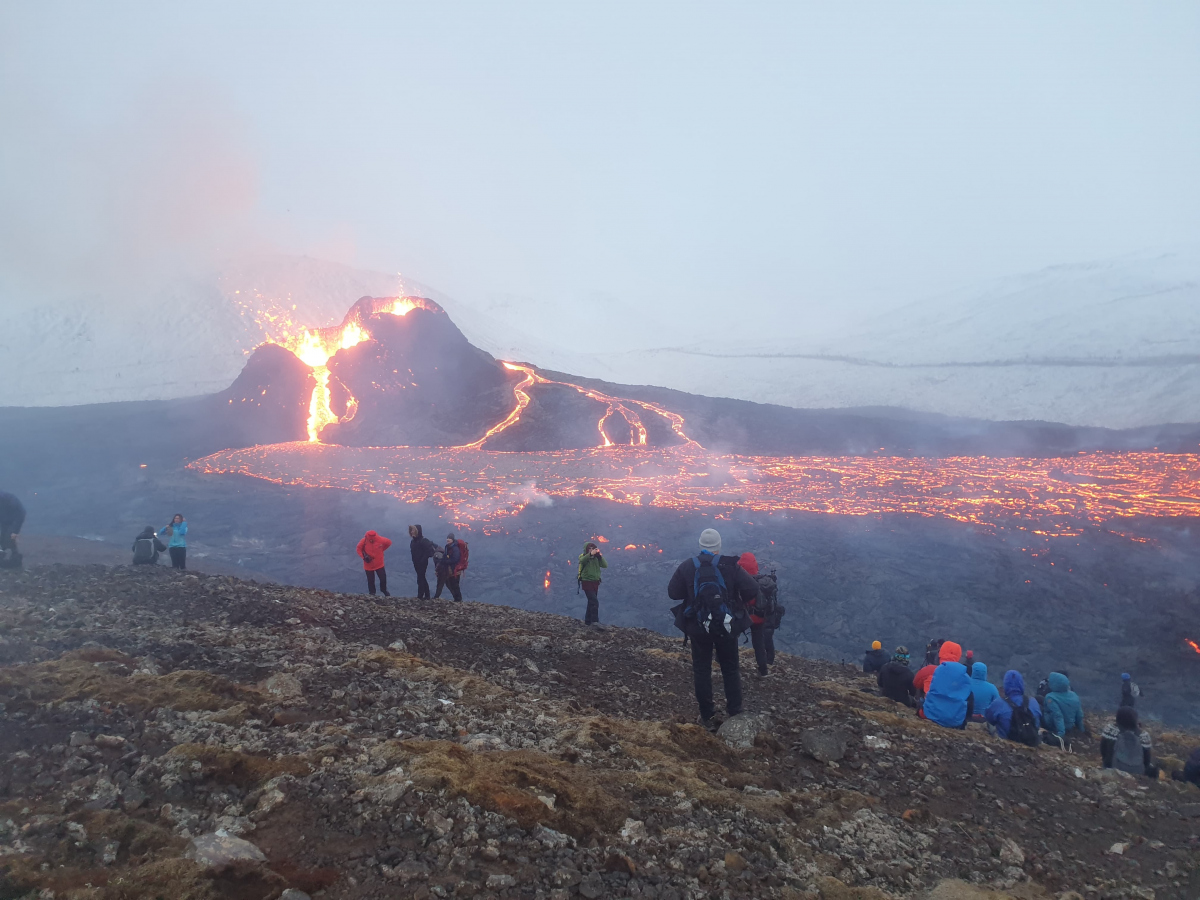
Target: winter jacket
<point x="749" y="562"/>
<point x="12" y="513"/>
<point x="371" y="549"/>
<point x="590" y="566"/>
<point x="1191" y="769"/>
<point x="743" y="589"/>
<point x="451" y="558"/>
<point x="895" y="682"/>
<point x="1139" y="739"/>
<point x="422" y="550"/>
<point x="875" y="660"/>
<point x="948" y="700"/>
<point x="922" y="678"/>
<point x="1062" y="710"/>
<point x="178" y="534"/>
<point x="999" y="714"/>
<point x="982" y="690"/>
<point x="148" y="534"/>
<point x="1129" y="693"/>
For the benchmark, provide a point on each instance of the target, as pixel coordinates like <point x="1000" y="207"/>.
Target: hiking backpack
<point x="1127" y="753"/>
<point x="143" y="550"/>
<point x="710" y="603"/>
<point x="1022" y="728"/>
<point x="462" y="562"/>
<point x="768" y="607"/>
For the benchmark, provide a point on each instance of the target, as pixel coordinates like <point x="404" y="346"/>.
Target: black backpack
<point x="1023" y="727"/>
<point x="767" y="606"/>
<point x="143" y="550"/>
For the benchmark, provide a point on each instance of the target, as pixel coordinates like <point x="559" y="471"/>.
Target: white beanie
<point x="710" y="540"/>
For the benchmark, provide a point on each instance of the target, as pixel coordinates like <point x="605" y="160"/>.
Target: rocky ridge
<point x="190" y="736"/>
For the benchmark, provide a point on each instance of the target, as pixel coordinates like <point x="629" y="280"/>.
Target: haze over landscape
<point x="895" y="309"/>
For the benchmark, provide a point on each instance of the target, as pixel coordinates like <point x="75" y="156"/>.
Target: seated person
<point x="1014" y="716"/>
<point x="875" y="659"/>
<point x="1062" y="713"/>
<point x="895" y="679"/>
<point x="146" y="547"/>
<point x="983" y="692"/>
<point x="948" y="702"/>
<point x="1191" y="769"/>
<point x="1124" y="746"/>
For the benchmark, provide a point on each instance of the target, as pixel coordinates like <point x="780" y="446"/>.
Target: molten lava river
<point x="1050" y="497"/>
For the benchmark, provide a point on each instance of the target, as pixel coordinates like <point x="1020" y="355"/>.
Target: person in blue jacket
<point x="177" y="545"/>
<point x="999" y="714"/>
<point x="982" y="690"/>
<point x="948" y="702"/>
<point x="1061" y="711"/>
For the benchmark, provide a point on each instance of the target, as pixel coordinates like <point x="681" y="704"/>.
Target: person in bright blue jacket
<point x="999" y="714"/>
<point x="948" y="702"/>
<point x="177" y="545"/>
<point x="982" y="690"/>
<point x="1062" y="710"/>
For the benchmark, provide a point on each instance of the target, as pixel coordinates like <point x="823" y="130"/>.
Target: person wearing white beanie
<point x="714" y="593"/>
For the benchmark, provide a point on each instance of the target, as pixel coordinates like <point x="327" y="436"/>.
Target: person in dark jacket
<point x="591" y="561"/>
<point x="931" y="651"/>
<point x="422" y="550"/>
<point x="876" y="658"/>
<point x="1191" y="769"/>
<point x="371" y="549"/>
<point x="895" y="679"/>
<point x="1124" y="746"/>
<point x="147" y="547"/>
<point x="1129" y="690"/>
<point x="762" y="635"/>
<point x="448" y="564"/>
<point x="707" y="635"/>
<point x="12" y="517"/>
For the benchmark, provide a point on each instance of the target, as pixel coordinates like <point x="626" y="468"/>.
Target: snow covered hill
<point x="1114" y="344"/>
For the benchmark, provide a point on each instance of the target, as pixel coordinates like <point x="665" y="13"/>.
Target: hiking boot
<point x="386" y="594"/>
<point x="761" y="674"/>
<point x="710" y="723"/>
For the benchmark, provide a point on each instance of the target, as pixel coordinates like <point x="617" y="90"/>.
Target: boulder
<point x="283" y="685"/>
<point x="740" y="730"/>
<point x="825" y="744"/>
<point x="217" y="851"/>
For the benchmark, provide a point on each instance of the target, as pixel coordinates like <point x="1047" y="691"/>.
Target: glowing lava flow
<point x="614" y="405"/>
<point x="313" y="347"/>
<point x="1192" y="644"/>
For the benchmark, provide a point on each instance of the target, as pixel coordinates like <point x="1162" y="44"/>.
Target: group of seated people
<point x="952" y="689"/>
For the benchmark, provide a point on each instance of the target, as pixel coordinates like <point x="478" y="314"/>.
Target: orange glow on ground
<point x="1044" y="497"/>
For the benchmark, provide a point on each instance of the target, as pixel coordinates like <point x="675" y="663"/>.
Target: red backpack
<point x="462" y="563"/>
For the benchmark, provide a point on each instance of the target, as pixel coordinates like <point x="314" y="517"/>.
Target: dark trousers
<point x="763" y="639"/>
<point x="422" y="581"/>
<point x="591" y="590"/>
<point x="445" y="579"/>
<point x="726" y="647"/>
<point x="178" y="557"/>
<point x="382" y="573"/>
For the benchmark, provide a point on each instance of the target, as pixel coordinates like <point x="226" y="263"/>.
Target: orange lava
<point x="1048" y="497"/>
<point x="1192" y="644"/>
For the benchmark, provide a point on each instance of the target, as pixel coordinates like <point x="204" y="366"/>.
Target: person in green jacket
<point x="591" y="561"/>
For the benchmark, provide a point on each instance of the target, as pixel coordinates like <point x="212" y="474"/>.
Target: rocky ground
<point x="194" y="736"/>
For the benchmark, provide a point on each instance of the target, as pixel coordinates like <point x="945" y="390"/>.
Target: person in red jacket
<point x="371" y="548"/>
<point x="762" y="637"/>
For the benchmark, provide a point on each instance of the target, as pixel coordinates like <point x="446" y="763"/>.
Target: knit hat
<point x="1125" y="676"/>
<point x="876" y="645"/>
<point x="710" y="540"/>
<point x="901" y="654"/>
<point x="450" y="536"/>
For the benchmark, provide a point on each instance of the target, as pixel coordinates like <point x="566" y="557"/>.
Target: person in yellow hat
<point x="876" y="658"/>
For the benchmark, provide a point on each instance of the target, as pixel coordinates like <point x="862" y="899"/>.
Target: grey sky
<point x="807" y="162"/>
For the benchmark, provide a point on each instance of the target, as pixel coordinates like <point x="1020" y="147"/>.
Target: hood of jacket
<point x="979" y="672"/>
<point x="748" y="562"/>
<point x="148" y="531"/>
<point x="950" y="652"/>
<point x="420" y="535"/>
<point x="1059" y="682"/>
<point x="1013" y="683"/>
<point x="371" y="535"/>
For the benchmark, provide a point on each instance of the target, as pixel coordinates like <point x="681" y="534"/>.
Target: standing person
<point x="177" y="544"/>
<point x="895" y="679"/>
<point x="371" y="549"/>
<point x="423" y="550"/>
<point x="1129" y="690"/>
<point x="762" y="635"/>
<point x="591" y="561"/>
<point x="1124" y="746"/>
<point x="449" y="569"/>
<point x="146" y="547"/>
<point x="876" y="658"/>
<point x="12" y="517"/>
<point x="714" y="592"/>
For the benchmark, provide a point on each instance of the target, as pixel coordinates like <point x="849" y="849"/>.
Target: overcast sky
<point x="784" y="161"/>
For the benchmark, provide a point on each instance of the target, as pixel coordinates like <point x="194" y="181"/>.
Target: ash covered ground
<point x="427" y="749"/>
